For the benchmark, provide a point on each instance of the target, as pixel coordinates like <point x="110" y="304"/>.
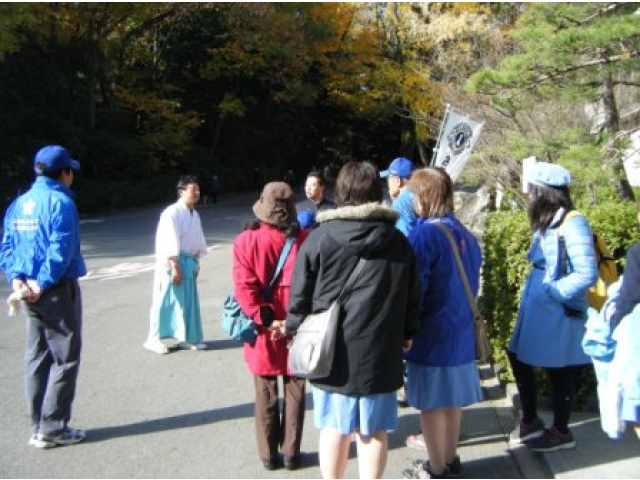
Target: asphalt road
<point x="186" y="414"/>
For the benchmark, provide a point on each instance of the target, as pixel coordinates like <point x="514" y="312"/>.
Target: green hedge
<point x="506" y="242"/>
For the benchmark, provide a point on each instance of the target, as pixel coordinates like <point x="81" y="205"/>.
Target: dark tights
<point x="562" y="388"/>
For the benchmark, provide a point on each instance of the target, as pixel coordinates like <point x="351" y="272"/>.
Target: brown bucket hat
<point x="275" y="205"/>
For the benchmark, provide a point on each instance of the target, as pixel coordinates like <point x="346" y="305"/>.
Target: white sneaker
<point x="70" y="436"/>
<point x="156" y="346"/>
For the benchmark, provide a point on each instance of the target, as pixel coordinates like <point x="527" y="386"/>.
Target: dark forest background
<point x="143" y="92"/>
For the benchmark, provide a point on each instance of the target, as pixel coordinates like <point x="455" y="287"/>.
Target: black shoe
<point x="272" y="463"/>
<point x="292" y="463"/>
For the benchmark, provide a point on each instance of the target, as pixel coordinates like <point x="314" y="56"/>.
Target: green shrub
<point x="506" y="242"/>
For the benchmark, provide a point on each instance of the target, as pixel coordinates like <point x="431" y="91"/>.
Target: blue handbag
<point x="235" y="322"/>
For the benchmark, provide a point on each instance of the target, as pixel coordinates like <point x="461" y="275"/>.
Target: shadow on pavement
<point x="171" y="423"/>
<point x="595" y="453"/>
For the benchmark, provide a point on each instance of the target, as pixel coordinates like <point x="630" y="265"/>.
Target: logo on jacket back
<point x="26" y="224"/>
<point x="28" y="206"/>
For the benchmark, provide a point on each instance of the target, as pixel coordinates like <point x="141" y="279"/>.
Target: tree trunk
<point x="611" y="124"/>
<point x="216" y="137"/>
<point x="91" y="71"/>
<point x="422" y="151"/>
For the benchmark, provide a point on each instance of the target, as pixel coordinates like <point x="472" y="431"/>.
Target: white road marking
<point x="124" y="270"/>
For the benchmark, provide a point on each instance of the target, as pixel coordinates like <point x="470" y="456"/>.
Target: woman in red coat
<point x="255" y="256"/>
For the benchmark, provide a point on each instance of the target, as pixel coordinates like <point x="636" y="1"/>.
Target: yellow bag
<point x="607" y="270"/>
<point x="607" y="273"/>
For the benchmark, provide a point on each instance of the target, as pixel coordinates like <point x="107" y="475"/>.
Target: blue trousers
<point x="175" y="310"/>
<point x="52" y="358"/>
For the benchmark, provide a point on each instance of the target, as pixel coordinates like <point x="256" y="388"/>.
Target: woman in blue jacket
<point x="553" y="307"/>
<point x="442" y="376"/>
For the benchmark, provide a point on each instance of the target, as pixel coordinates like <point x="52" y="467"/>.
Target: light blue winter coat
<point x="615" y="361"/>
<point x="546" y="333"/>
<point x="408" y="218"/>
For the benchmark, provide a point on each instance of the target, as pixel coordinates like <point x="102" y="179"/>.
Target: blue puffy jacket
<point x="41" y="238"/>
<point x="553" y="307"/>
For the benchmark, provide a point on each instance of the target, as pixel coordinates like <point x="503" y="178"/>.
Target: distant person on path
<point x="379" y="317"/>
<point x="314" y="188"/>
<point x="216" y="188"/>
<point x="290" y="178"/>
<point x="553" y="308"/>
<point x="256" y="252"/>
<point x="41" y="258"/>
<point x="442" y="376"/>
<point x="180" y="242"/>
<point x="398" y="175"/>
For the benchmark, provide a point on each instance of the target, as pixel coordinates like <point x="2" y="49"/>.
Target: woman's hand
<point x="277" y="329"/>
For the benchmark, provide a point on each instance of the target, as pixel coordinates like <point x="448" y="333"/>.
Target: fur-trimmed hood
<point x="368" y="211"/>
<point x="362" y="229"/>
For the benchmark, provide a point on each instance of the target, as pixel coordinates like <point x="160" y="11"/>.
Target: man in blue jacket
<point x="398" y="175"/>
<point x="40" y="255"/>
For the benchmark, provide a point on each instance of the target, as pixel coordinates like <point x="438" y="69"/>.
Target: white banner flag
<point x="458" y="137"/>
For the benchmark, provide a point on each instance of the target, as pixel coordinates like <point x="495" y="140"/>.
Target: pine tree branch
<point x="572" y="22"/>
<point x="589" y="63"/>
<point x="627" y="83"/>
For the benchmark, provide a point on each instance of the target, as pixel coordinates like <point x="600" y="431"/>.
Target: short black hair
<point x="187" y="180"/>
<point x="319" y="175"/>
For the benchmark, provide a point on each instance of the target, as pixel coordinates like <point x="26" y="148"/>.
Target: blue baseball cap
<point x="549" y="175"/>
<point x="400" y="167"/>
<point x="53" y="157"/>
<point x="306" y="219"/>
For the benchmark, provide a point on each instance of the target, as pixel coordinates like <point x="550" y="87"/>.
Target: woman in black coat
<point x="379" y="317"/>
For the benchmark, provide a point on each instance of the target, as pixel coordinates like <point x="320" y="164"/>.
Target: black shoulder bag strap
<point x="351" y="280"/>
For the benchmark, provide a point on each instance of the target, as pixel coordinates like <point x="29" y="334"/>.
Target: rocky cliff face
<point x="471" y="209"/>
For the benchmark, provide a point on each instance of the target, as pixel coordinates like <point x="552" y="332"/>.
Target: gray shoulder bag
<point x="312" y="350"/>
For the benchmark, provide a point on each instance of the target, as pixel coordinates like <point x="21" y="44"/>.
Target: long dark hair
<point x="357" y="183"/>
<point x="544" y="203"/>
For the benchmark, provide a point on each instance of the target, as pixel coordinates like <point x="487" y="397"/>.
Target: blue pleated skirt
<point x="430" y="388"/>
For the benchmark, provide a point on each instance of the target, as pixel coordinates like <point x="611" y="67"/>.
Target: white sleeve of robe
<point x="179" y="230"/>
